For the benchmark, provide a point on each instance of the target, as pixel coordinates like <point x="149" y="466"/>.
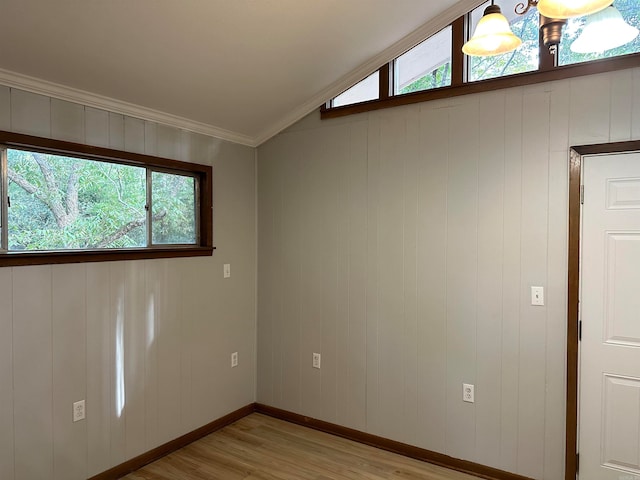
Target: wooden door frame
<point x="576" y="155"/>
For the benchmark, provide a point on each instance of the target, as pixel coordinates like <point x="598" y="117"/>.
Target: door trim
<point x="576" y="155"/>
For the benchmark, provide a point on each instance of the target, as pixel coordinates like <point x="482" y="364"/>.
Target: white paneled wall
<point x="146" y="343"/>
<point x="402" y="244"/>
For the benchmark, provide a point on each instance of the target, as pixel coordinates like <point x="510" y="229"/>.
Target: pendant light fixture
<point x="570" y="8"/>
<point x="492" y="36"/>
<point x="604" y="30"/>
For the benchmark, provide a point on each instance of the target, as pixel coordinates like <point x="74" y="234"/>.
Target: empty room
<point x="280" y="239"/>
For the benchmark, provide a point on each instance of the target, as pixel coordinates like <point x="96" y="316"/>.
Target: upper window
<point x="437" y="68"/>
<point x="524" y="59"/>
<point x="425" y="66"/>
<point x="58" y="199"/>
<point x="630" y="11"/>
<point x="367" y="89"/>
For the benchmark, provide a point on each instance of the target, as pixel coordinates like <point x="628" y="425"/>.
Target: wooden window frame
<point x="548" y="71"/>
<point x="204" y="215"/>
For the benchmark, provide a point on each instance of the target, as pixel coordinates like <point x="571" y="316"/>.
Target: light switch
<point x="227" y="270"/>
<point x="537" y="296"/>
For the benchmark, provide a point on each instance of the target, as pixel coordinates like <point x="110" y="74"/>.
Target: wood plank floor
<point x="259" y="447"/>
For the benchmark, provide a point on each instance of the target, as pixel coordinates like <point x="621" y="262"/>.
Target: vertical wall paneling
<point x="586" y="126"/>
<point x="491" y="165"/>
<point x="116" y="131"/>
<point x="354" y="350"/>
<point x="135" y="338"/>
<point x="449" y="212"/>
<point x="100" y="367"/>
<point x="67" y="121"/>
<point x="462" y="273"/>
<point x="635" y="109"/>
<point x="372" y="247"/>
<point x="293" y="356"/>
<point x="6" y="375"/>
<point x="535" y="174"/>
<point x="150" y="138"/>
<point x="168" y="142"/>
<point x="556" y="315"/>
<point x="134" y="140"/>
<point x="621" y="91"/>
<point x="186" y="347"/>
<point x="96" y="129"/>
<point x="118" y="398"/>
<point x="153" y="308"/>
<point x="5" y="108"/>
<point x="391" y="313"/>
<point x="32" y="374"/>
<point x="168" y="340"/>
<point x="30" y="113"/>
<point x="432" y="178"/>
<point x="69" y="371"/>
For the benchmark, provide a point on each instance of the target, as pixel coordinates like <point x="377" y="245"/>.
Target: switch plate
<point x="316" y="360"/>
<point x="79" y="411"/>
<point x="468" y="393"/>
<point x="234" y="359"/>
<point x="227" y="270"/>
<point x="537" y="296"/>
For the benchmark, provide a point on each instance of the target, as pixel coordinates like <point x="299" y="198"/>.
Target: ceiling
<point x="238" y="69"/>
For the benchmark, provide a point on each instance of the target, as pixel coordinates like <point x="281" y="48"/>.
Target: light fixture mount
<point x="523" y="8"/>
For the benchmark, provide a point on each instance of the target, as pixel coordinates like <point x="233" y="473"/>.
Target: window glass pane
<point x="630" y="11"/>
<point x="425" y="66"/>
<point x="524" y="59"/>
<point x="69" y="203"/>
<point x="174" y="210"/>
<point x="367" y="89"/>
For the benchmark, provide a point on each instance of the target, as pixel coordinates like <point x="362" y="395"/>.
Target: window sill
<point x="14" y="259"/>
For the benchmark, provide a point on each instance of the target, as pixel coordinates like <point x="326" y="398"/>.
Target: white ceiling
<point x="239" y="69"/>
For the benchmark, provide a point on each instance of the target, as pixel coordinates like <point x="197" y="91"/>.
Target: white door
<point x="609" y="414"/>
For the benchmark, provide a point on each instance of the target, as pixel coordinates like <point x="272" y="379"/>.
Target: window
<point x="524" y="59"/>
<point x="437" y="68"/>
<point x="631" y="14"/>
<point x="425" y="66"/>
<point x="63" y="197"/>
<point x="362" y="91"/>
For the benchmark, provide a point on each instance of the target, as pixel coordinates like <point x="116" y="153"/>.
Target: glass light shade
<point x="604" y="30"/>
<point x="571" y="8"/>
<point x="493" y="35"/>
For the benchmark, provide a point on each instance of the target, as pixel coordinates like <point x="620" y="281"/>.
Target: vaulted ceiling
<point x="239" y="69"/>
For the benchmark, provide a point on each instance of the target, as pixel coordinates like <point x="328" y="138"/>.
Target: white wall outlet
<point x="468" y="393"/>
<point x="537" y="296"/>
<point x="316" y="360"/>
<point x="234" y="359"/>
<point x="78" y="411"/>
<point x="226" y="270"/>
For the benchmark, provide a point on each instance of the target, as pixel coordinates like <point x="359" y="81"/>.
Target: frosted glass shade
<point x="493" y="35"/>
<point x="571" y="8"/>
<point x="604" y="30"/>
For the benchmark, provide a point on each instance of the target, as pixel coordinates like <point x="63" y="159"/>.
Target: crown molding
<point x="62" y="92"/>
<point x="401" y="46"/>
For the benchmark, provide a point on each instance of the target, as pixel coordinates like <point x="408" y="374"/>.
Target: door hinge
<point x="580" y="330"/>
<point x="577" y="462"/>
<point x="581" y="194"/>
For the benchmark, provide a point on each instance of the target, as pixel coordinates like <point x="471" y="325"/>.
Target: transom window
<point x="58" y="197"/>
<point x="437" y="68"/>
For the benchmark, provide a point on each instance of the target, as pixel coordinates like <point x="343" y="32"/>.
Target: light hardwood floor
<point x="259" y="447"/>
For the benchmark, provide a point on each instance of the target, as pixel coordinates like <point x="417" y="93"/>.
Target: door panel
<point x="609" y="416"/>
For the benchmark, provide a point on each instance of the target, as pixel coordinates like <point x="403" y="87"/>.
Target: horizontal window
<point x="362" y="91"/>
<point x="605" y="41"/>
<point x="60" y="198"/>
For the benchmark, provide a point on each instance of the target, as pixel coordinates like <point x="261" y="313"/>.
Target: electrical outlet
<point x="316" y="360"/>
<point x="78" y="411"/>
<point x="468" y="393"/>
<point x="234" y="359"/>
